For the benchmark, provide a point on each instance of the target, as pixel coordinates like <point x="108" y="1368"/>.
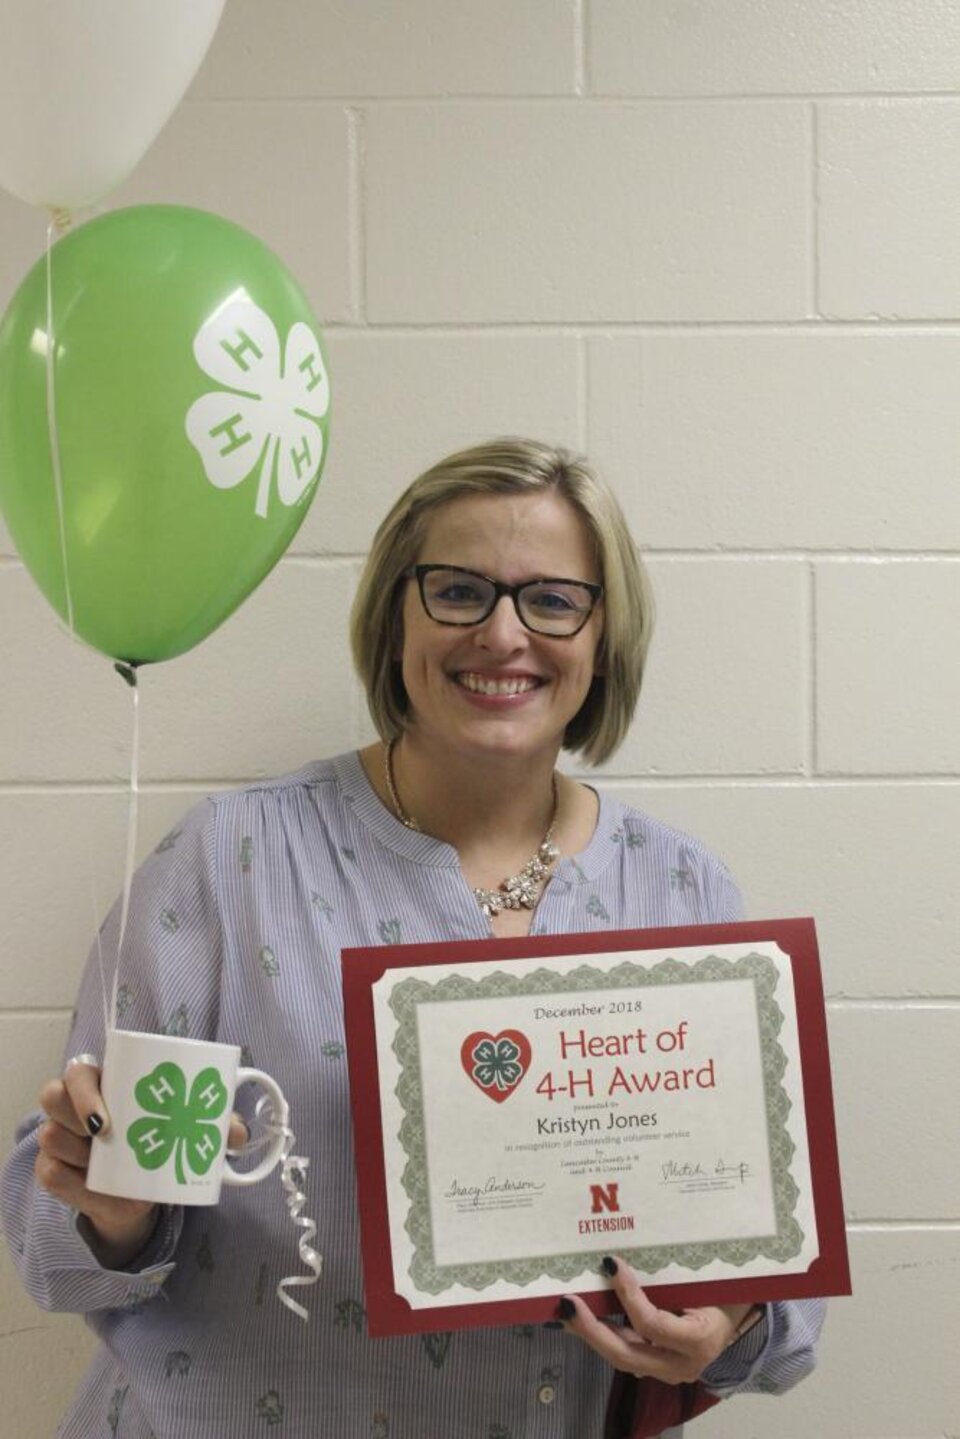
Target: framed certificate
<point x="522" y="1107"/>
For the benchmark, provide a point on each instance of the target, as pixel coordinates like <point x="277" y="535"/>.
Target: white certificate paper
<point x="539" y="1114"/>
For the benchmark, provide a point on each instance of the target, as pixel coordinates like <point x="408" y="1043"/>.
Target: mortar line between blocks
<point x="329" y="562"/>
<point x="815" y="210"/>
<point x="583" y="395"/>
<point x="581" y="66"/>
<point x="611" y="99"/>
<point x="37" y="1011"/>
<point x="356" y="213"/>
<point x="813" y="713"/>
<point x="894" y="1003"/>
<point x="720" y="553"/>
<point x="902" y="1226"/>
<point x="92" y="788"/>
<point x="361" y="717"/>
<point x="773" y="780"/>
<point x="859" y="326"/>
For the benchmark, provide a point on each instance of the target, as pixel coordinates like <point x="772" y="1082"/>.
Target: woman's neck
<point x="467" y="800"/>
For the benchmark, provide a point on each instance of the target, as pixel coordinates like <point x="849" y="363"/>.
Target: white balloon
<point x="87" y="85"/>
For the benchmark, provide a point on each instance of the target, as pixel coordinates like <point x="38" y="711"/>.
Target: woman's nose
<point x="503" y="628"/>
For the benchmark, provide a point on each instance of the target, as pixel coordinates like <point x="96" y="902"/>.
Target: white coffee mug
<point x="170" y="1101"/>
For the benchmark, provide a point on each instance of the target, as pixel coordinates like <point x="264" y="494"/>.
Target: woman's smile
<point x="498" y="686"/>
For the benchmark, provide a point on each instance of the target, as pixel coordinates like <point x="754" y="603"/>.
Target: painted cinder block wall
<point x="715" y="244"/>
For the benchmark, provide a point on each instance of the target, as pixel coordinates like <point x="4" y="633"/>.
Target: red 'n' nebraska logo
<point x="605" y="1197"/>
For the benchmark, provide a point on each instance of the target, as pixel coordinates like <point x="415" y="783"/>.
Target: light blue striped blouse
<point x="236" y="927"/>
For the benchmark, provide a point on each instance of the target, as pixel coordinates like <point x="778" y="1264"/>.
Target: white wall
<point x="716" y="244"/>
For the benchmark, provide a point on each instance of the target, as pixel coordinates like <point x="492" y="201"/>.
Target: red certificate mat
<point x="522" y="1107"/>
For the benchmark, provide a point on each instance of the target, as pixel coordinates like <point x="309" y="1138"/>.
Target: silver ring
<point x="90" y="1059"/>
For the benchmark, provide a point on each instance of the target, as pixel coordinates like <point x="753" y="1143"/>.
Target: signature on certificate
<point x="704" y="1175"/>
<point x="491" y="1188"/>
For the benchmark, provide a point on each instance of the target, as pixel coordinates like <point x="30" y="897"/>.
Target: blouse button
<point x="546" y="1393"/>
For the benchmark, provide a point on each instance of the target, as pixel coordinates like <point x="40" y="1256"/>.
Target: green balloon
<point x="192" y="402"/>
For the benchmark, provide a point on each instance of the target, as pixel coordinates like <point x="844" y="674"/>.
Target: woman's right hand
<point x="118" y="1228"/>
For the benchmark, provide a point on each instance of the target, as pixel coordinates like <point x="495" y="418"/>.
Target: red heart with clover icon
<point x="496" y="1063"/>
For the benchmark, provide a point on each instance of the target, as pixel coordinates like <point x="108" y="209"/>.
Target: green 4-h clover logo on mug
<point x="169" y="1100"/>
<point x="176" y="1124"/>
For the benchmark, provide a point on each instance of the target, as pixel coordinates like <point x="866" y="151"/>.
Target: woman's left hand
<point x="675" y="1348"/>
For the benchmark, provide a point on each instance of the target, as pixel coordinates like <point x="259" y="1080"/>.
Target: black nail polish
<point x="565" y="1309"/>
<point x="94" y="1123"/>
<point x="608" y="1265"/>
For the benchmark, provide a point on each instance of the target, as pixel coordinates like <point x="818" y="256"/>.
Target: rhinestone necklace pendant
<point x="517" y="891"/>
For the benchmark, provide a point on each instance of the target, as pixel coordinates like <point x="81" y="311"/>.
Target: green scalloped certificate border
<point x="400" y="995"/>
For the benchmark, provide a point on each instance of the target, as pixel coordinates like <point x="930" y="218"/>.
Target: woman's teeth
<point x="483" y="685"/>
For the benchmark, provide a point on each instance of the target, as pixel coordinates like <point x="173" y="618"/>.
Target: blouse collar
<point x="423" y="849"/>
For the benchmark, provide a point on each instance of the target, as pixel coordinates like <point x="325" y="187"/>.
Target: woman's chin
<point x="501" y="739"/>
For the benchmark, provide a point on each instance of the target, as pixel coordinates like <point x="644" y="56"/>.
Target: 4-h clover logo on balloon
<point x="267" y="421"/>
<point x="496" y="1062"/>
<point x="178" y="1125"/>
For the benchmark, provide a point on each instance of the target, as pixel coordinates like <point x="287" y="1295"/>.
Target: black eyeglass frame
<point x="420" y="572"/>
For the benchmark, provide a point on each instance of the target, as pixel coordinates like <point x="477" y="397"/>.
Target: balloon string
<point x="129" y="673"/>
<point x="59" y="222"/>
<point x="292" y="1169"/>
<point x="98" y="927"/>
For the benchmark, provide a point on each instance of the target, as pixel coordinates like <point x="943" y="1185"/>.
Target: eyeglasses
<point x="455" y="596"/>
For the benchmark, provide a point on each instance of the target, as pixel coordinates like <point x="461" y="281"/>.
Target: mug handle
<point x="281" y="1110"/>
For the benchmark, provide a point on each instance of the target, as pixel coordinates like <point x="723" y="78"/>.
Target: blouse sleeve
<point x="779" y="1351"/>
<point x="169" y="981"/>
<point x="773" y="1355"/>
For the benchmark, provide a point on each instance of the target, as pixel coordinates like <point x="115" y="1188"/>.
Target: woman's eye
<point x="551" y="600"/>
<point x="459" y="594"/>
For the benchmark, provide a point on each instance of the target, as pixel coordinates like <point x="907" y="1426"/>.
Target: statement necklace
<point x="517" y="891"/>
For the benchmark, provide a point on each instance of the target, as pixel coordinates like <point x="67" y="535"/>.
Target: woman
<point x="502" y="616"/>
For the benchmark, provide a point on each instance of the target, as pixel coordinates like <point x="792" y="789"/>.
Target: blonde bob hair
<point x="509" y="467"/>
